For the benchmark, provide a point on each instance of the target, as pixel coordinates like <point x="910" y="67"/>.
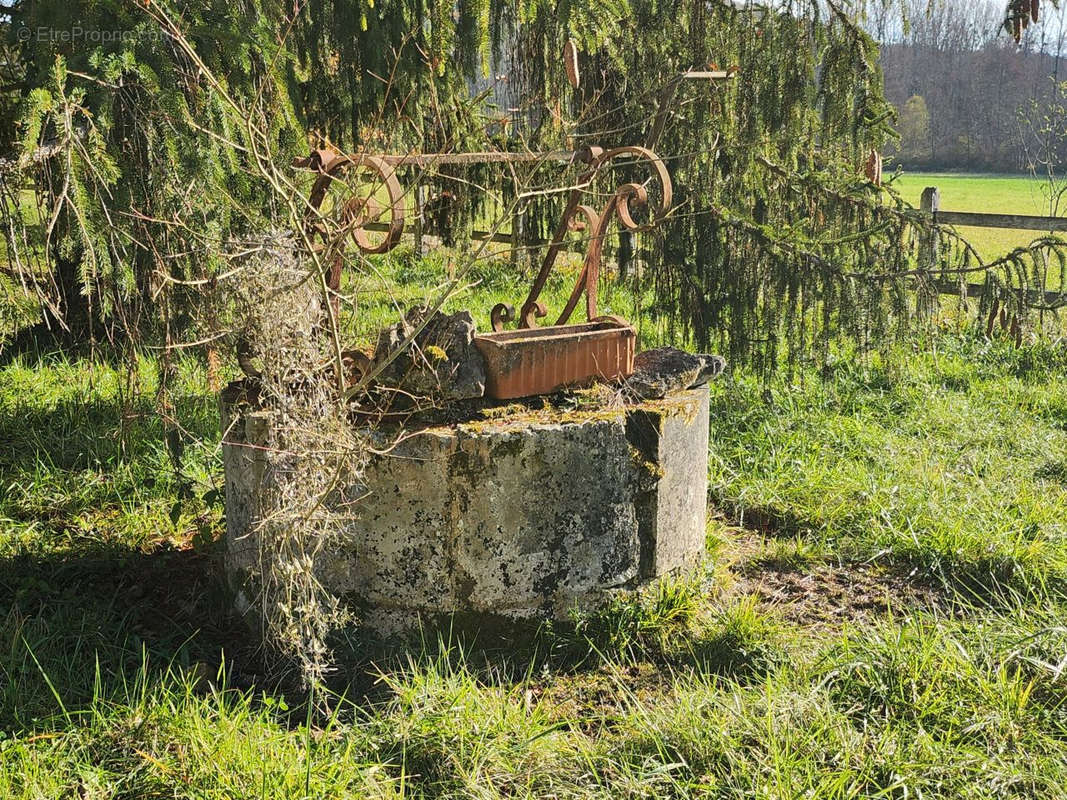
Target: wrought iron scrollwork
<point x="357" y="213"/>
<point x="352" y="220"/>
<point x="580" y="217"/>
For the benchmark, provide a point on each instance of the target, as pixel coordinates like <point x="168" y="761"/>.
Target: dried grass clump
<point x="312" y="451"/>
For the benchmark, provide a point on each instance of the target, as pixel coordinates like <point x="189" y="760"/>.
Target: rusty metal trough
<point x="532" y="361"/>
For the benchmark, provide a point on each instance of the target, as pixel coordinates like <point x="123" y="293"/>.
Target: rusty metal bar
<point x="437" y="159"/>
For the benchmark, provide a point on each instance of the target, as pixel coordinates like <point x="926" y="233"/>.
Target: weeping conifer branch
<point x="779" y="246"/>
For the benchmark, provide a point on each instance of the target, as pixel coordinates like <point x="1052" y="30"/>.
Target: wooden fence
<point x="931" y="204"/>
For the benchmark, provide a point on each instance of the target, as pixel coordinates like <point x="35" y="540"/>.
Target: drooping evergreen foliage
<point x="773" y="209"/>
<point x="778" y="245"/>
<point x="131" y="151"/>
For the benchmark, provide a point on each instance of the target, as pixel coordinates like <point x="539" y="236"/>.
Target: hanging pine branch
<point x="779" y="246"/>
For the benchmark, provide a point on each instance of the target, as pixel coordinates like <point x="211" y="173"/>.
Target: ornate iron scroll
<point x="357" y="213"/>
<point x="579" y="216"/>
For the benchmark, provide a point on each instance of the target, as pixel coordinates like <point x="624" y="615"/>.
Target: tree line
<point x="967" y="96"/>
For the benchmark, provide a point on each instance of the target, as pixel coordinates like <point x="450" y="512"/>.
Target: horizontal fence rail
<point x="478" y="236"/>
<point x="930" y="202"/>
<point x="1033" y="296"/>
<point x="1013" y="221"/>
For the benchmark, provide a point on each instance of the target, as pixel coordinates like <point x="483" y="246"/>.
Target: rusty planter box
<point x="532" y="361"/>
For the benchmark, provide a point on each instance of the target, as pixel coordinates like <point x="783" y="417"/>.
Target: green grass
<point x="993" y="194"/>
<point x="952" y="460"/>
<point x="122" y="675"/>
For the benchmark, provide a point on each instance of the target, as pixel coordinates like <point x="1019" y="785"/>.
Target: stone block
<point x="543" y="516"/>
<point x="518" y="518"/>
<point x="397" y="547"/>
<point x="670" y="439"/>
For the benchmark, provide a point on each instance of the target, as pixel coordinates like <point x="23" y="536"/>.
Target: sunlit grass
<point x="123" y="675"/>
<point x="992" y="194"/>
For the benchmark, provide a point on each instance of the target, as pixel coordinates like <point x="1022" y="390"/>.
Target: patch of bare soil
<point x="594" y="700"/>
<point x="827" y="594"/>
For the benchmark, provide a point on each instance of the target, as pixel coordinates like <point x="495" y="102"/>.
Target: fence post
<point x="420" y="205"/>
<point x="625" y="254"/>
<point x="931" y="200"/>
<point x="517" y="224"/>
<point x="930" y="203"/>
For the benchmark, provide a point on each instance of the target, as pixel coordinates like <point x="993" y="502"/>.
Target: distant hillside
<point x="967" y="96"/>
<point x="969" y="109"/>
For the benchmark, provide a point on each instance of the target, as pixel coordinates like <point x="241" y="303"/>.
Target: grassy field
<point x="993" y="194"/>
<point x="882" y="612"/>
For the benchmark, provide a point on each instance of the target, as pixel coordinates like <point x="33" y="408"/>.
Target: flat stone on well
<point x="660" y="372"/>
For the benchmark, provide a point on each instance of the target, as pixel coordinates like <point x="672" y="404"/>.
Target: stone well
<point x="522" y="516"/>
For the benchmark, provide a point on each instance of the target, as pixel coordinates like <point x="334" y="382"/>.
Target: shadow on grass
<point x="657" y="633"/>
<point x="92" y="625"/>
<point x="74" y="434"/>
<point x="1054" y="471"/>
<point x="107" y="623"/>
<point x="41" y="341"/>
<point x="60" y="460"/>
<point x="770" y="522"/>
